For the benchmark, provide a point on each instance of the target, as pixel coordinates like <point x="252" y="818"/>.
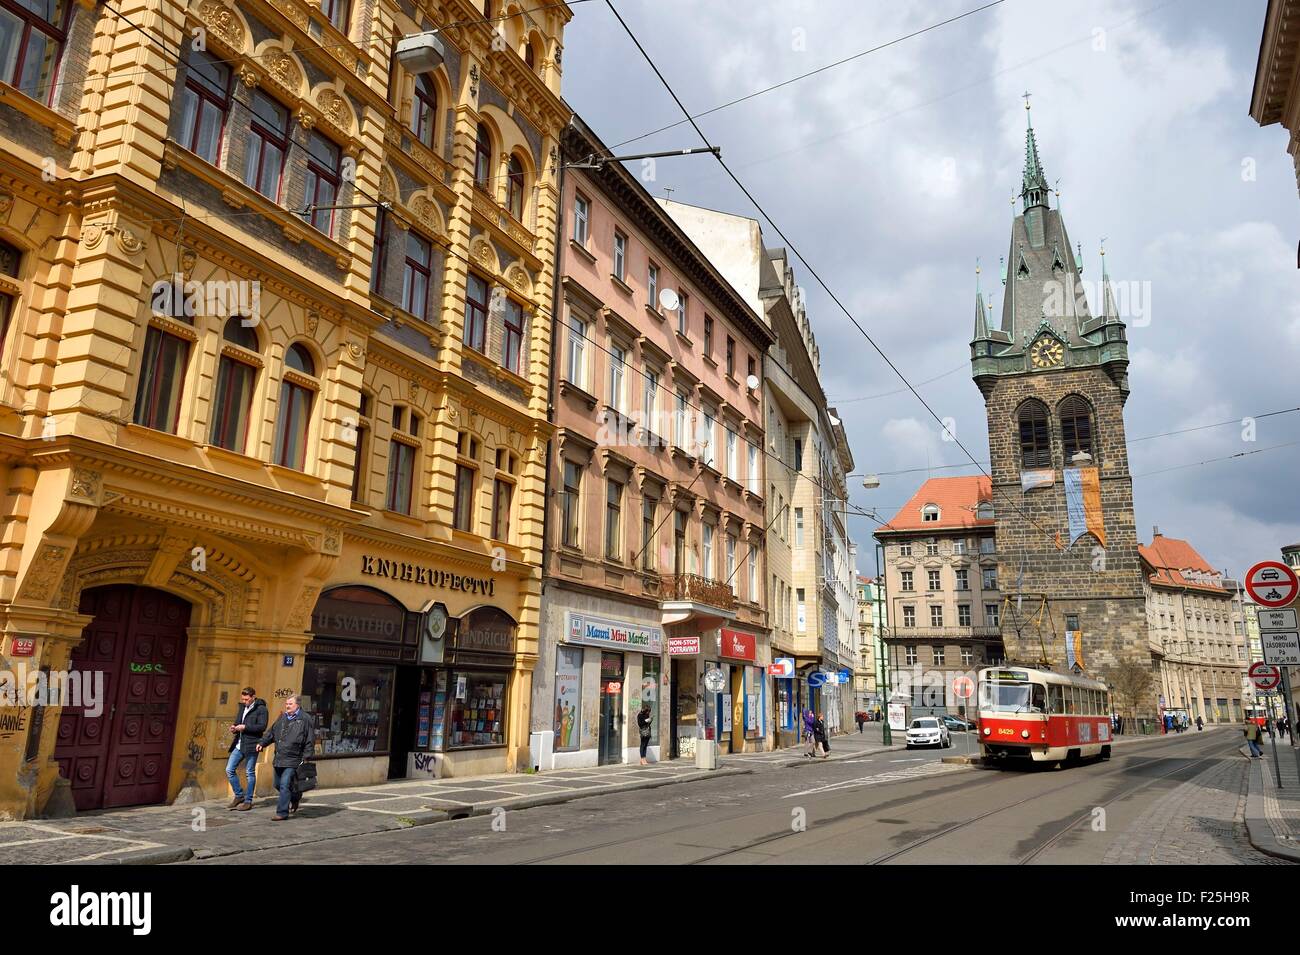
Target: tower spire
<point x="1033" y="183"/>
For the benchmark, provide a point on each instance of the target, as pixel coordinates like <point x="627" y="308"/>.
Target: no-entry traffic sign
<point x="1272" y="583"/>
<point x="1264" y="677"/>
<point x="963" y="687"/>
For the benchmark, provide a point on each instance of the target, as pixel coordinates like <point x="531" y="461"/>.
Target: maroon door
<point x="122" y="756"/>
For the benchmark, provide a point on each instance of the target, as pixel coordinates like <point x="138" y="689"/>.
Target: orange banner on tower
<point x="1092" y="503"/>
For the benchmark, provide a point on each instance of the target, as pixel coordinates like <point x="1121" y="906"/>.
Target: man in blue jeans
<point x="250" y="724"/>
<point x="293" y="737"/>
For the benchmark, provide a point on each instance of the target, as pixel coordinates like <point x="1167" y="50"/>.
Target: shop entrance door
<point x="406" y="698"/>
<point x="122" y="756"/>
<point x="611" y="708"/>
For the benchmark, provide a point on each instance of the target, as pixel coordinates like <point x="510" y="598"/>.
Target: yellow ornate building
<point x="276" y="332"/>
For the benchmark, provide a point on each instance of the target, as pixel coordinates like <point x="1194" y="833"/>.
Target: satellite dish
<point x="752" y="382"/>
<point x="668" y="300"/>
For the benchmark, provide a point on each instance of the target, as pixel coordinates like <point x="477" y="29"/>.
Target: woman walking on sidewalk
<point x="809" y="725"/>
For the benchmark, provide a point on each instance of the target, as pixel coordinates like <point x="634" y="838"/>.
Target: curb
<point x="427" y="817"/>
<point x="1258" y="830"/>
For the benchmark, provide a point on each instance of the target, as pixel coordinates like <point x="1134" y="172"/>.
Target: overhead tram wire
<point x="811" y="269"/>
<point x="804" y="76"/>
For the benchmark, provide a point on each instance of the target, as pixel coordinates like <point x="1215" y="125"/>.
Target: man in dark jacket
<point x="250" y="724"/>
<point x="293" y="737"/>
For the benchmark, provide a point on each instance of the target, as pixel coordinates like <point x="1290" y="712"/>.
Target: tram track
<point x="1059" y="834"/>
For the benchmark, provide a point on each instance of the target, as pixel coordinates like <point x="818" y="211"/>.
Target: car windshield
<point x="1006" y="698"/>
<point x="924" y="724"/>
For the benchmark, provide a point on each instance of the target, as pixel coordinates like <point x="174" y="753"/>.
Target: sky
<point x="893" y="174"/>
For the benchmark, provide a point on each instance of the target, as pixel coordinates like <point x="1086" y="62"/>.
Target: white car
<point x="928" y="731"/>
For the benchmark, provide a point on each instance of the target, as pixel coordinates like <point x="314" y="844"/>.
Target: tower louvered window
<point x="1076" y="427"/>
<point x="1035" y="445"/>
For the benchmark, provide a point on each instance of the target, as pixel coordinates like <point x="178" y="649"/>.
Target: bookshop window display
<point x="477" y="709"/>
<point x="352" y="705"/>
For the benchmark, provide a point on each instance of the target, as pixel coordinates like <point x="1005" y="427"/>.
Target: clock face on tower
<point x="1046" y="352"/>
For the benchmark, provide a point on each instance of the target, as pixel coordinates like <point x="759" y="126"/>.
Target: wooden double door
<point x="121" y="755"/>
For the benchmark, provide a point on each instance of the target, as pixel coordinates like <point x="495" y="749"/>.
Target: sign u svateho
<point x="597" y="631"/>
<point x="401" y="570"/>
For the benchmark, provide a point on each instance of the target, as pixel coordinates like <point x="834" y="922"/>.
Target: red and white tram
<point x="1031" y="714"/>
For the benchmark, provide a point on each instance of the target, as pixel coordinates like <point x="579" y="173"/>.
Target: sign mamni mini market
<point x="594" y="631"/>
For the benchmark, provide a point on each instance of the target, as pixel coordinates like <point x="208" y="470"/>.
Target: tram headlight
<point x="987" y="731"/>
<point x="1024" y="734"/>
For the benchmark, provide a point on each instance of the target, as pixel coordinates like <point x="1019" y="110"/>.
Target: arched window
<point x="424" y="112"/>
<point x="297" y="392"/>
<point x="10" y="257"/>
<point x="515" y="192"/>
<point x="236" y="380"/>
<point x="1035" y="444"/>
<point x="530" y="55"/>
<point x="930" y="513"/>
<point x="483" y="158"/>
<point x="164" y="361"/>
<point x="1076" y="427"/>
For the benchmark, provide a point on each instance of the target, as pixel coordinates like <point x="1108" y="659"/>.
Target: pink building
<point x="655" y="562"/>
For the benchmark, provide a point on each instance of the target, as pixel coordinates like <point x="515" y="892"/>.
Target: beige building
<point x="1198" y="649"/>
<point x="941" y="591"/>
<point x="865" y="684"/>
<point x="275" y="367"/>
<point x="1276" y="94"/>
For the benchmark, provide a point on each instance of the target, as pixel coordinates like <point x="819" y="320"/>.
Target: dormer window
<point x="929" y="513"/>
<point x="984" y="512"/>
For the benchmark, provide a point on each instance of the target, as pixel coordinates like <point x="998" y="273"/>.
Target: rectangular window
<point x="959" y="546"/>
<point x="463" y="518"/>
<point x="324" y="162"/>
<point x="801" y="612"/>
<point x="731" y="357"/>
<point x="512" y="337"/>
<point x="937" y="653"/>
<point x="401" y="475"/>
<point x="730" y="553"/>
<point x="679" y="421"/>
<point x="906" y="578"/>
<point x="990" y="615"/>
<point x="963" y="615"/>
<point x="570" y="504"/>
<point x="909" y="654"/>
<point x="337" y="13"/>
<point x="162" y="377"/>
<point x="909" y="616"/>
<point x="620" y="256"/>
<point x="752" y="370"/>
<point x="502" y="493"/>
<point x="617" y="360"/>
<point x="987" y="545"/>
<point x="936" y="616"/>
<point x="967" y="655"/>
<point x="476" y="313"/>
<point x="733" y="461"/>
<point x="379" y="255"/>
<point x="652" y="287"/>
<point x="905" y="549"/>
<point x="360" y="459"/>
<point x="706" y="551"/>
<point x="31" y="39"/>
<point x="798" y="527"/>
<point x="581" y="217"/>
<point x="679" y="542"/>
<point x="932" y="579"/>
<point x="963" y="578"/>
<point x="205" y="100"/>
<point x="990" y="578"/>
<point x="613" y="520"/>
<point x="682" y="325"/>
<point x="575" y="372"/>
<point x="648" y="534"/>
<point x="931" y="548"/>
<point x="798" y="456"/>
<point x="268" y="144"/>
<point x="708" y="335"/>
<point x="755" y="479"/>
<point x="415" y="276"/>
<point x="753" y="574"/>
<point x="706" y="441"/>
<point x="648" y="393"/>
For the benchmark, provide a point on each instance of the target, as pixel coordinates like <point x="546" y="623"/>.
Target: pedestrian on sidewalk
<point x="1200" y="724"/>
<point x="1253" y="737"/>
<point x="861" y="718"/>
<point x="293" y="736"/>
<point x="822" y="743"/>
<point x="809" y="726"/>
<point x="643" y="724"/>
<point x="250" y="724"/>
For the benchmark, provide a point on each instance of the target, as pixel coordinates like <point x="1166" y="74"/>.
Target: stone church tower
<point x="1054" y="379"/>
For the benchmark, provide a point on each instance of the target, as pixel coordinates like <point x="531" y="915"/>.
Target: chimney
<point x="1155" y="530"/>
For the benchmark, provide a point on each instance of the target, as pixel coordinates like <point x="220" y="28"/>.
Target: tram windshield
<point x="1012" y="698"/>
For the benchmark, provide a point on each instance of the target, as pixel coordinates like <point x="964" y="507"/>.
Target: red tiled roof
<point x="1166" y="558"/>
<point x="956" y="497"/>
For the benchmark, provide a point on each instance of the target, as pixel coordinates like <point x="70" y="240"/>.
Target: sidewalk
<point x="159" y="834"/>
<point x="1273" y="815"/>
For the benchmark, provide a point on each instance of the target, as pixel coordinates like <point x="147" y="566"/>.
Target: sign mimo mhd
<point x="1272" y="584"/>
